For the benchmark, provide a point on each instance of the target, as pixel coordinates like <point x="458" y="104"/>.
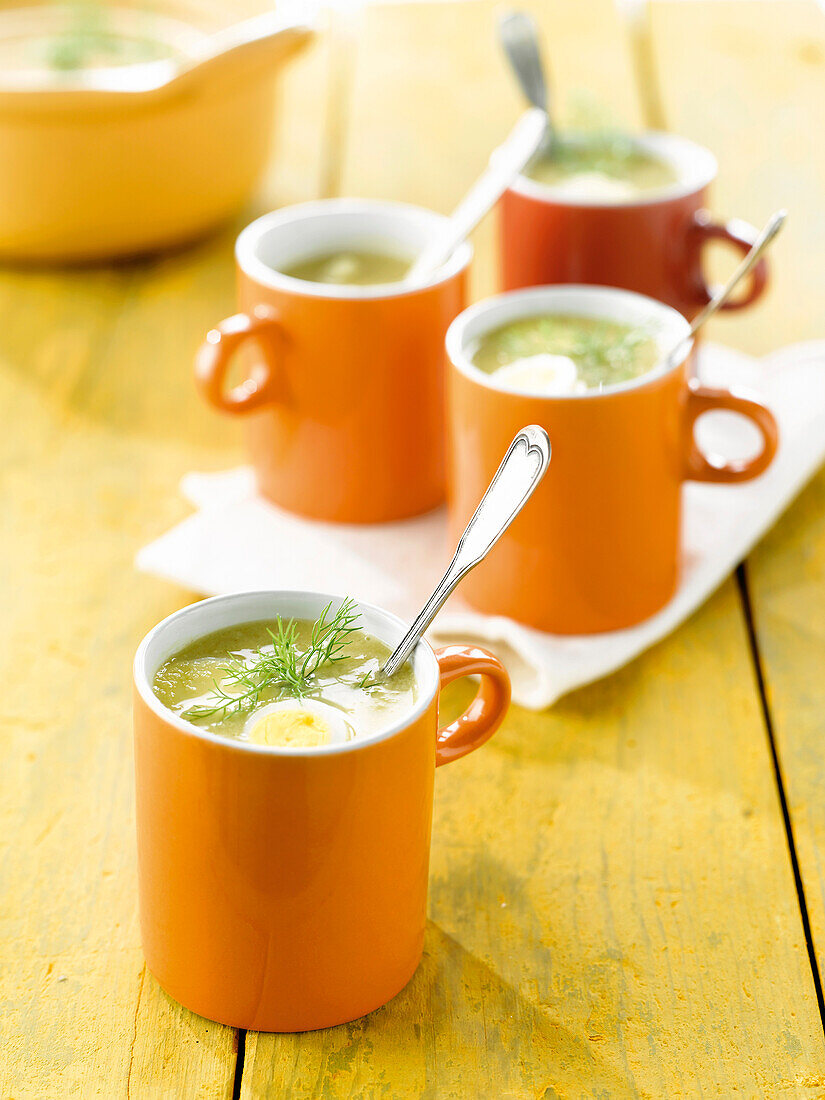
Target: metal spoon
<point x="505" y="164"/>
<point x="521" y="470"/>
<point x="519" y="38"/>
<point x="774" y="224"/>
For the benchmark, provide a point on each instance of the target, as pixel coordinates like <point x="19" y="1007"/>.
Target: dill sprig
<point x="604" y="150"/>
<point x="283" y="668"/>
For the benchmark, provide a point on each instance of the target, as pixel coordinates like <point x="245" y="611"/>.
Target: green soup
<point x="240" y="682"/>
<point x="61" y="38"/>
<point x="602" y="352"/>
<point x="612" y="166"/>
<point x="350" y="268"/>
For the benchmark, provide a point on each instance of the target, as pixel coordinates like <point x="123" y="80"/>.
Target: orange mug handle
<point x="263" y="386"/>
<point x="698" y="467"/>
<point x="741" y="235"/>
<point x="485" y="714"/>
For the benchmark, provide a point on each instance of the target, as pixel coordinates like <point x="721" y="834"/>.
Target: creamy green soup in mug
<point x="295" y="684"/>
<point x="562" y="354"/>
<point x="612" y="168"/>
<point x="350" y="268"/>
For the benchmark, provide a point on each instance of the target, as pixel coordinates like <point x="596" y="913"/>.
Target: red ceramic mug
<point x="652" y="244"/>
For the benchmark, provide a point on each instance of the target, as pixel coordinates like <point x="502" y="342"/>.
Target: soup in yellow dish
<point x="288" y="685"/>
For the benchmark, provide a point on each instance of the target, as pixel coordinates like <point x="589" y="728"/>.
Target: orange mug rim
<point x="455" y="340"/>
<point x="656" y="141"/>
<point x="423" y="655"/>
<point x="262" y="274"/>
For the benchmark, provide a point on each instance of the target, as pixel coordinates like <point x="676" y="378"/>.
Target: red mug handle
<point x="741" y="235"/>
<point x="485" y="714"/>
<point x="697" y="466"/>
<point x="264" y="385"/>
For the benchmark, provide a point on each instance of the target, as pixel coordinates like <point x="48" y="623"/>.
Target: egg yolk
<point x="290" y="729"/>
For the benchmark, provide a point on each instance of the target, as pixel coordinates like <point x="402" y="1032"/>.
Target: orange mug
<point x="598" y="546"/>
<point x="285" y="890"/>
<point x="652" y="244"/>
<point x="348" y="381"/>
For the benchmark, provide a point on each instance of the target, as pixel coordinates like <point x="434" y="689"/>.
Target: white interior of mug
<point x="309" y="229"/>
<point x="604" y="303"/>
<point x="198" y="619"/>
<point x="693" y="165"/>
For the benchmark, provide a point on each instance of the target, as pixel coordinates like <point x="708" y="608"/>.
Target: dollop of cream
<point x="596" y="185"/>
<point x="554" y="375"/>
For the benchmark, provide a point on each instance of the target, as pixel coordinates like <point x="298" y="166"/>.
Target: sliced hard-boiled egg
<point x="297" y="724"/>
<point x="595" y="186"/>
<point x="555" y="375"/>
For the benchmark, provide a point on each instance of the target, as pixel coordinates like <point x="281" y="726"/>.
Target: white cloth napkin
<point x="236" y="541"/>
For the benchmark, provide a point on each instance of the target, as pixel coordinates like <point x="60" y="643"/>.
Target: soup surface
<point x="350" y="268"/>
<point x="245" y="682"/>
<point x="565" y="354"/>
<point x="54" y="39"/>
<point x="611" y="167"/>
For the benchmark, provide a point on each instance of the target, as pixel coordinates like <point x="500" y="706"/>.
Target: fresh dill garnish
<point x="91" y="37"/>
<point x="604" y="351"/>
<point x="283" y="668"/>
<point x="605" y="151"/>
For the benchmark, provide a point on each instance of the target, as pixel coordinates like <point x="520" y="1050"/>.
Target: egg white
<point x="554" y="375"/>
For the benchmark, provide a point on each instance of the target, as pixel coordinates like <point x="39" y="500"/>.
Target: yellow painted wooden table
<point x="627" y="894"/>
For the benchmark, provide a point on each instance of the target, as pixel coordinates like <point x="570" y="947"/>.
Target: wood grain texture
<point x="770" y="72"/>
<point x="99" y="421"/>
<point x="612" y="911"/>
<point x="787" y="582"/>
<point x="433" y="96"/>
<point x="747" y="79"/>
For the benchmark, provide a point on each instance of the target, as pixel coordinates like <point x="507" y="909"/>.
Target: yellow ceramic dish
<point x="132" y="134"/>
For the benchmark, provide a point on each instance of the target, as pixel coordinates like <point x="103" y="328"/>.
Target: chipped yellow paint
<point x="612" y="911"/>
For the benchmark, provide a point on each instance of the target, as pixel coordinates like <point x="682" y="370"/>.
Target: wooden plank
<point x="768" y="64"/>
<point x="745" y="78"/>
<point x="786" y="576"/>
<point x="77" y="492"/>
<point x="100" y="419"/>
<point x="433" y="96"/>
<point x="612" y="909"/>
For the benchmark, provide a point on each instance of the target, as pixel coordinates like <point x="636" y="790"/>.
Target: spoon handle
<point x="521" y="470"/>
<point x="773" y="226"/>
<point x="505" y="164"/>
<point x="519" y="38"/>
